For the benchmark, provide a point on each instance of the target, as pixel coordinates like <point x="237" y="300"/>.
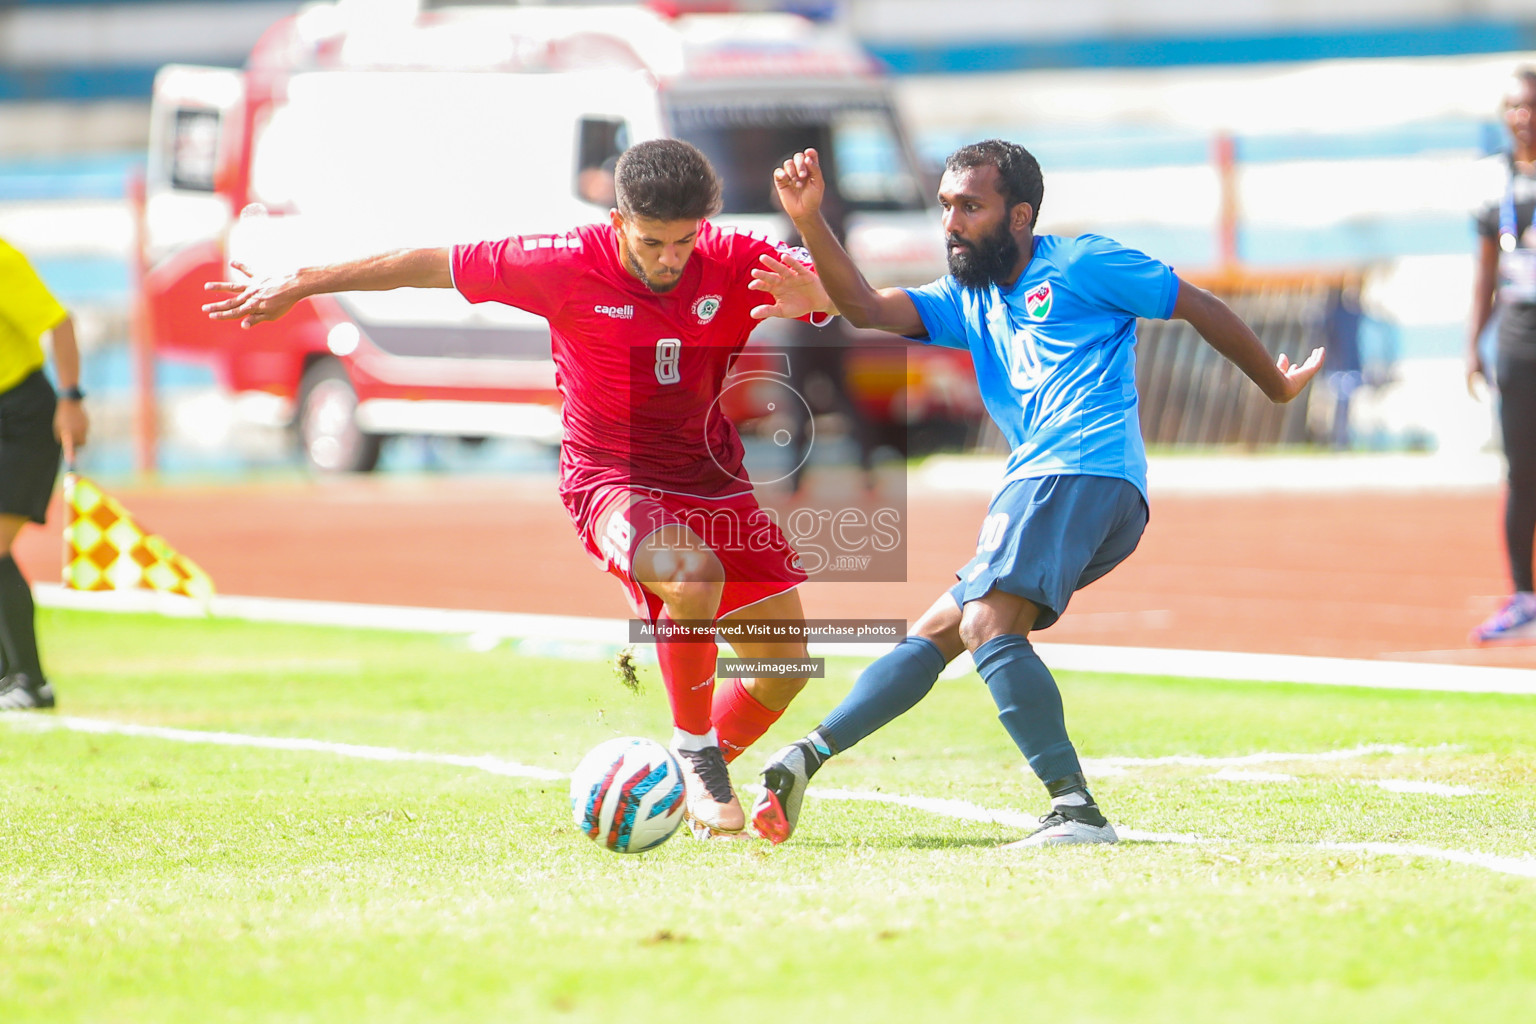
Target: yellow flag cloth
<point x="104" y="549"/>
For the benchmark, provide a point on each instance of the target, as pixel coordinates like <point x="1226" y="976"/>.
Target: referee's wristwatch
<point x="73" y="394"/>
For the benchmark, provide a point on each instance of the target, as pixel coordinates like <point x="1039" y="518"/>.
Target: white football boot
<point x="713" y="811"/>
<point x="1069" y="824"/>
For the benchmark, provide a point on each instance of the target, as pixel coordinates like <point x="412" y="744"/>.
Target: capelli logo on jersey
<point x="617" y="312"/>
<point x="706" y="308"/>
<point x="1037" y="303"/>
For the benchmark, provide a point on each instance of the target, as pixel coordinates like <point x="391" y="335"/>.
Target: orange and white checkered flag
<point x="105" y="549"/>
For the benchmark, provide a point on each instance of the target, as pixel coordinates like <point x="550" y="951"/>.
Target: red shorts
<point x="758" y="561"/>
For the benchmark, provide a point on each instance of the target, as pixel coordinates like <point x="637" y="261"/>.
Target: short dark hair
<point x="666" y="179"/>
<point x="1017" y="171"/>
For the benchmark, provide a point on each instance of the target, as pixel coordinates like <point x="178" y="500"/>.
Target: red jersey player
<point x="645" y="312"/>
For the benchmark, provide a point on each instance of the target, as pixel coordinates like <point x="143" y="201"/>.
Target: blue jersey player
<point x="1050" y="323"/>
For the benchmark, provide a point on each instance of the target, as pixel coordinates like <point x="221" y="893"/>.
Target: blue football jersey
<point x="1055" y="354"/>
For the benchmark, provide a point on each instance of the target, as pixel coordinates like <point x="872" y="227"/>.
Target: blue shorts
<point x="1048" y="537"/>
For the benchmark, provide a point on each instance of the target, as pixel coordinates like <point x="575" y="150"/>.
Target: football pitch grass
<point x="1296" y="853"/>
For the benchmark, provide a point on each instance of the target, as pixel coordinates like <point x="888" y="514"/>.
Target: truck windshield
<point x="866" y="165"/>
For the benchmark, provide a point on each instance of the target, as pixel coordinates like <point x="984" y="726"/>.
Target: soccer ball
<point x="627" y="794"/>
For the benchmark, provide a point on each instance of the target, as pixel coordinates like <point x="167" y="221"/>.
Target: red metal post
<point x="1224" y="156"/>
<point x="146" y="414"/>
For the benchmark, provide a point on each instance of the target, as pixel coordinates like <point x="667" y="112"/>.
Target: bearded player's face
<point x="655" y="251"/>
<point x="978" y="238"/>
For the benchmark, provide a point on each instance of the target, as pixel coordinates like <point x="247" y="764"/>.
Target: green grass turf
<point x="148" y="880"/>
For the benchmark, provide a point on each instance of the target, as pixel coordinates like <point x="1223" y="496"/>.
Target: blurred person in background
<point x="595" y="184"/>
<point x="645" y="311"/>
<point x="37" y="426"/>
<point x="1506" y="280"/>
<point x="1050" y="323"/>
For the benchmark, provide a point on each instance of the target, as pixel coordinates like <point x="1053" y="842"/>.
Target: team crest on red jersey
<point x="706" y="307"/>
<point x="799" y="253"/>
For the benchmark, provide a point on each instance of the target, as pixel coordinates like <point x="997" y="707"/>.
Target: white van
<point x="350" y="131"/>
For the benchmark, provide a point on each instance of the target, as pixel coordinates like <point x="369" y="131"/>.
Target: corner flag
<point x="105" y="549"/>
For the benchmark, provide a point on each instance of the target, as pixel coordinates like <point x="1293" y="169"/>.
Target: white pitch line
<point x="1238" y="775"/>
<point x="961" y="810"/>
<point x="1230" y="773"/>
<point x="1417" y="786"/>
<point x="1197" y="760"/>
<point x="484" y="762"/>
<point x="574" y="636"/>
<point x="964" y="810"/>
<point x="1523" y="866"/>
<point x="1390" y="785"/>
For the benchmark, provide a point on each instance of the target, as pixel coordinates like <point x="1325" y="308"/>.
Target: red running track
<point x="1375" y="575"/>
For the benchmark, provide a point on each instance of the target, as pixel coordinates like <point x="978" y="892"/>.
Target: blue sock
<point x="891" y="686"/>
<point x="1028" y="704"/>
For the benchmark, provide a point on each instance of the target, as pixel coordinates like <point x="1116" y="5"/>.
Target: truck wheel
<point x="328" y="432"/>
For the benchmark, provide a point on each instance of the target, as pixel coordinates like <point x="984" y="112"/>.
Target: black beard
<point x="990" y="261"/>
<point x="639" y="271"/>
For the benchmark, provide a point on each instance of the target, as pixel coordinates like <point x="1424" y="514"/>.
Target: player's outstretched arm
<point x="800" y="188"/>
<point x="267" y="299"/>
<point x="792" y="288"/>
<point x="1226" y="332"/>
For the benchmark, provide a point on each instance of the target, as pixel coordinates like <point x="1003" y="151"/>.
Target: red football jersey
<point x="639" y="371"/>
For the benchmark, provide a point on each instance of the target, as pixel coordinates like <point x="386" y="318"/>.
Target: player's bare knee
<point x="974" y="632"/>
<point x="693" y="599"/>
<point x="687" y="566"/>
<point x="981" y="623"/>
<point x="940" y="626"/>
<point x="995" y="615"/>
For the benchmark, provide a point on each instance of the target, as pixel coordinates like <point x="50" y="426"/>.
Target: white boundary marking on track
<point x="574" y="636"/>
<point x="961" y="810"/>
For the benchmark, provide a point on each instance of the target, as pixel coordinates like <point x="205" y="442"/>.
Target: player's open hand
<point x="800" y="185"/>
<point x="795" y="290"/>
<point x="1298" y="374"/>
<point x="255" y="301"/>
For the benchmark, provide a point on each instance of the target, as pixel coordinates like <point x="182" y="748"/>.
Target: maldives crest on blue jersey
<point x="1037" y="302"/>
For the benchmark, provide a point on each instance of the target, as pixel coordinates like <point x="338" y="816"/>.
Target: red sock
<point x="688" y="671"/>
<point x="740" y="719"/>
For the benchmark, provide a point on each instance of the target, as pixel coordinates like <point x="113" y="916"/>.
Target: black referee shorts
<point x="29" y="453"/>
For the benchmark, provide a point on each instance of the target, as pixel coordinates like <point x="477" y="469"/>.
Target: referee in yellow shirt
<point x="34" y="423"/>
